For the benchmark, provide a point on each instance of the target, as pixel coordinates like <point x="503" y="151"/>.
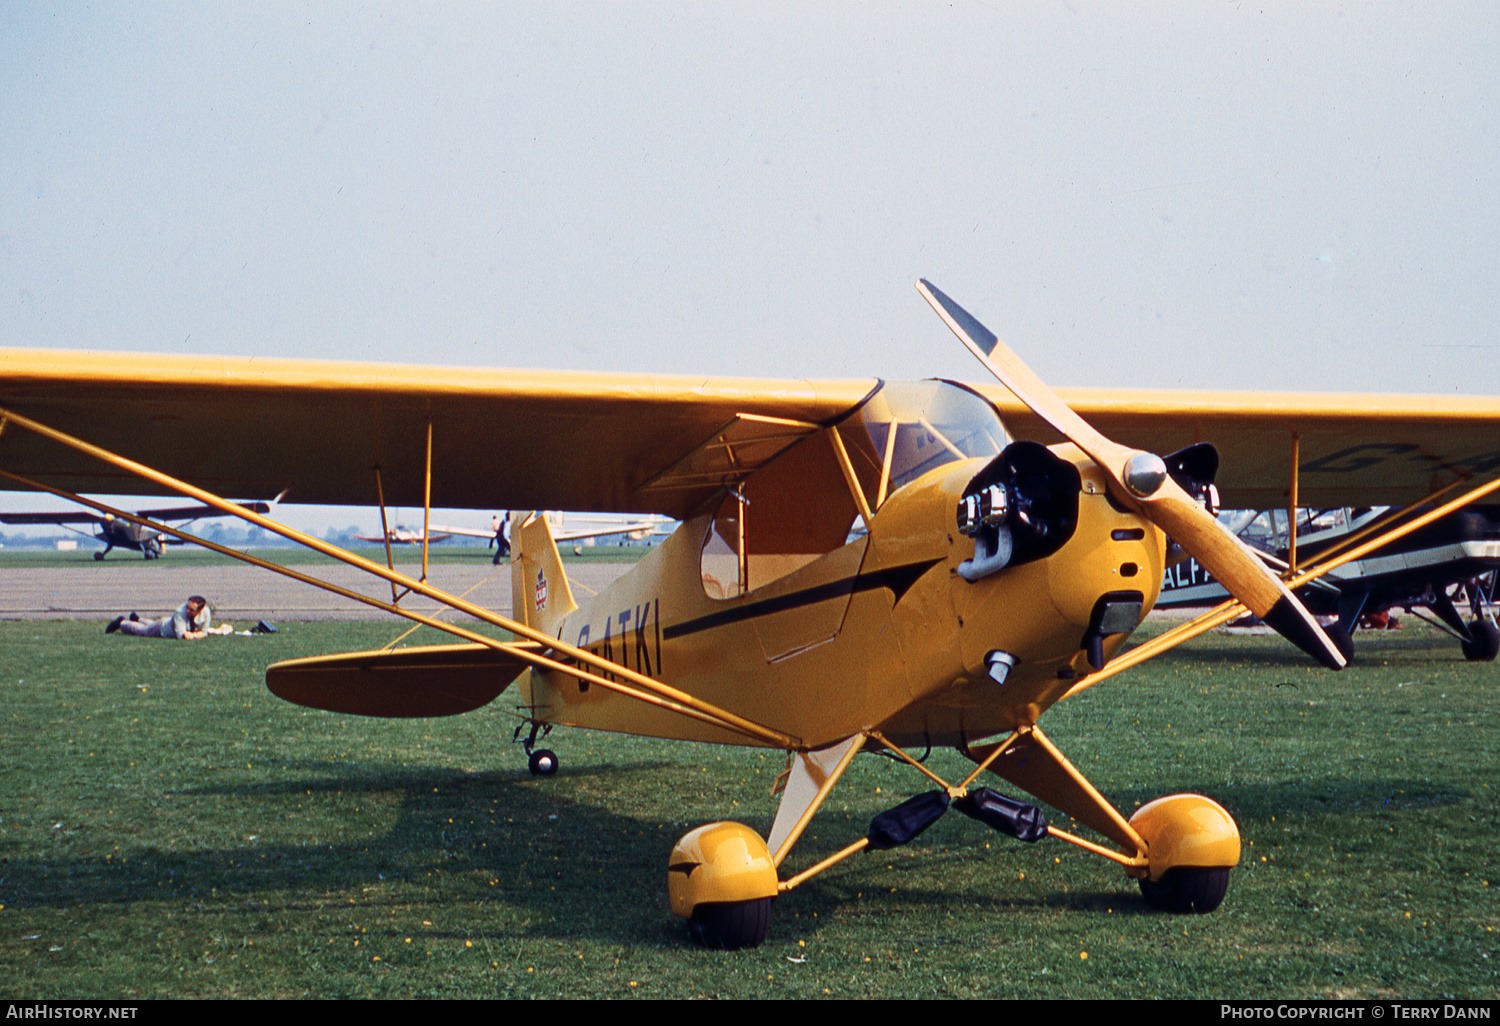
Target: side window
<point x="787" y="514"/>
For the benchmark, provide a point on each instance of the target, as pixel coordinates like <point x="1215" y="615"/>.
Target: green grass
<point x="170" y="829"/>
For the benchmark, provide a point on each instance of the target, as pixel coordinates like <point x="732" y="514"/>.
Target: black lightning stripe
<point x="897" y="578"/>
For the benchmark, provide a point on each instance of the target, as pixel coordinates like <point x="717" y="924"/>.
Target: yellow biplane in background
<point x="861" y="565"/>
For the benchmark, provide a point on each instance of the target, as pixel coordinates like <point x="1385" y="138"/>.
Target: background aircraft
<point x="402" y="535"/>
<point x="574" y="530"/>
<point x="1453" y="560"/>
<point x="567" y="527"/>
<point x="116" y="532"/>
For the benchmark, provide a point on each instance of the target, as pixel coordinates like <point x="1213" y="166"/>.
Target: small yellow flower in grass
<point x="632" y="983"/>
<point x="802" y="944"/>
<point x="1083" y="955"/>
<point x="468" y="944"/>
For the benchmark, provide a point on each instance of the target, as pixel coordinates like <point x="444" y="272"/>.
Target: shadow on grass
<point x="501" y="847"/>
<point x="459" y="839"/>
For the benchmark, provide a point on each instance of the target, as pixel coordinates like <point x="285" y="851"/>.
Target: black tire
<point x="98" y="555"/>
<point x="1187" y="889"/>
<point x="1341" y="640"/>
<point x="543" y="762"/>
<point x="1486" y="643"/>
<point x="731" y="925"/>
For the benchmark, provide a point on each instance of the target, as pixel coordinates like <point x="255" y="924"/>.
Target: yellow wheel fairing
<point x="719" y="862"/>
<point x="1186" y="830"/>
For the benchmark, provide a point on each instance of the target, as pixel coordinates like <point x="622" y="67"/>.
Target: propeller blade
<point x="1140" y="480"/>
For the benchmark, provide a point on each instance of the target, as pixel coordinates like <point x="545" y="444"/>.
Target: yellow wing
<point x="502" y="439"/>
<point x="1350" y="449"/>
<point x="637" y="443"/>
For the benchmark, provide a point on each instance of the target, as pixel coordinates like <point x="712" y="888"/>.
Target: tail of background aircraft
<point x="540" y="596"/>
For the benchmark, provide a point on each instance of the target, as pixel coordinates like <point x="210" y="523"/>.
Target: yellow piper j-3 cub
<point x="861" y="565"/>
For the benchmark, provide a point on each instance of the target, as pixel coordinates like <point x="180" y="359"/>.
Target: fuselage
<point x="883" y="631"/>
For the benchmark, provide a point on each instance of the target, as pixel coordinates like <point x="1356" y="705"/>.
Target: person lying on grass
<point x="191" y="621"/>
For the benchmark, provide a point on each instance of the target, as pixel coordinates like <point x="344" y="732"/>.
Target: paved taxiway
<point x="247" y="593"/>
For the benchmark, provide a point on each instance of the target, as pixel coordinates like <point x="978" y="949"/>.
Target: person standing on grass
<point x="190" y="622"/>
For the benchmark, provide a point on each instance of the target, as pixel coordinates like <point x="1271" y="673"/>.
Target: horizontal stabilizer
<point x="431" y="680"/>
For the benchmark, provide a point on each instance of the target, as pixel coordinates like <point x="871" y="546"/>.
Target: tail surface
<point x="540" y="596"/>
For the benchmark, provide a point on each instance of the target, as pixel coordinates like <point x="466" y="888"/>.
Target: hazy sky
<point x="1196" y="195"/>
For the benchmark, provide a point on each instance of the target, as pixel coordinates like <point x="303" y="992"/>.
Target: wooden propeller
<point x="1140" y="481"/>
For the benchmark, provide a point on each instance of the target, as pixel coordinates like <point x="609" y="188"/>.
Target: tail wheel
<point x="1187" y="889"/>
<point x="731" y="925"/>
<point x="1486" y="643"/>
<point x="543" y="762"/>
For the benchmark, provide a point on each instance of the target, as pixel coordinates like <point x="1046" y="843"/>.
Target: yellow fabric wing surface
<point x="624" y="442"/>
<point x="1352" y="449"/>
<point x="502" y="439"/>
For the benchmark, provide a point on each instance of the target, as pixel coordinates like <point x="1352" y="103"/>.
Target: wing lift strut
<point x="536" y="650"/>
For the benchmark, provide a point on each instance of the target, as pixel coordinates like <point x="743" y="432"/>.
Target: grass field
<point x="170" y="829"/>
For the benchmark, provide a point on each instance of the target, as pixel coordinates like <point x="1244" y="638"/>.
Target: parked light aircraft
<point x="565" y="530"/>
<point x="1455" y="557"/>
<point x="403" y="535"/>
<point x="635" y="530"/>
<point x="116" y="532"/>
<point x="862" y="565"/>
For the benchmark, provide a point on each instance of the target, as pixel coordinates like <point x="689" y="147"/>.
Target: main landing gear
<point x="1191" y="844"/>
<point x="722" y="877"/>
<point x="1484" y="643"/>
<point x="1478" y="637"/>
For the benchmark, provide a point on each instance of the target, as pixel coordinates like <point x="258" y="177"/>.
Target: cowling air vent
<point x="1021" y="507"/>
